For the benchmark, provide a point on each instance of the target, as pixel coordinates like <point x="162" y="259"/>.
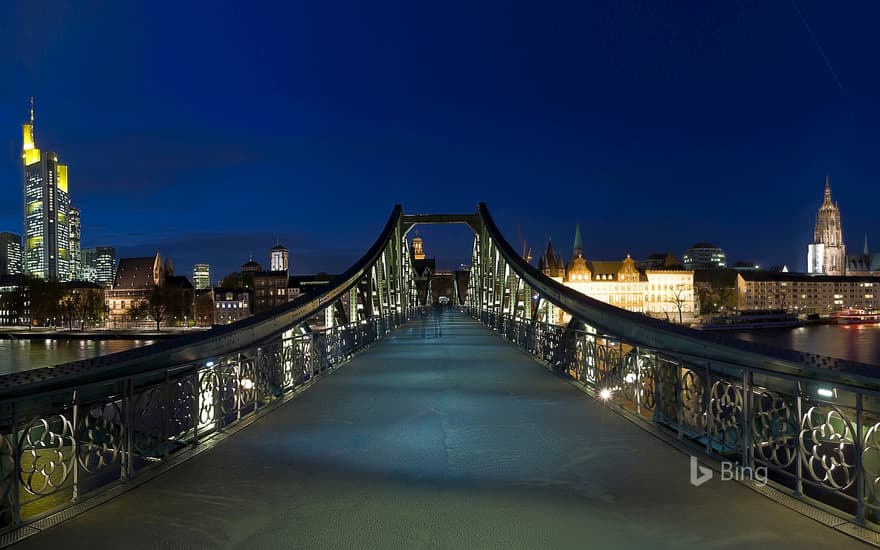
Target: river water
<point x="854" y="342"/>
<point x="19" y="355"/>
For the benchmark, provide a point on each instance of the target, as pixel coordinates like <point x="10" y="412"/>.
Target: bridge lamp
<point x="209" y="364"/>
<point x="247" y="384"/>
<point x="605" y="394"/>
<point x="825" y="392"/>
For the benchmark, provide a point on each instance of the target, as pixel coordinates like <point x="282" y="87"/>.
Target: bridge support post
<point x="860" y="476"/>
<point x="799" y="484"/>
<point x="75" y="428"/>
<point x="16" y="466"/>
<point x="748" y="456"/>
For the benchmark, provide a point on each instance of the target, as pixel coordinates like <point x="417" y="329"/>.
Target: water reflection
<point x="854" y="342"/>
<point x="20" y="355"/>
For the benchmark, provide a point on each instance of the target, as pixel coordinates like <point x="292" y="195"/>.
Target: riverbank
<point x="20" y="333"/>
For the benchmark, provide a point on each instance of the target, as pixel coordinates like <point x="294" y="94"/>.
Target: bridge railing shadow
<point x="816" y="439"/>
<point x="60" y="447"/>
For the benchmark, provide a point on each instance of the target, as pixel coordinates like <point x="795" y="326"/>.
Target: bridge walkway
<point x="441" y="436"/>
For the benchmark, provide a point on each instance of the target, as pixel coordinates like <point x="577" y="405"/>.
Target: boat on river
<point x="856" y="317"/>
<point x="753" y="319"/>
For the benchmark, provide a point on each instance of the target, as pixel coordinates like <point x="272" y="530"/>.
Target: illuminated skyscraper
<point x="10" y="254"/>
<point x="99" y="265"/>
<point x="201" y="276"/>
<point x="46" y="250"/>
<point x="827" y="254"/>
<point x="75" y="245"/>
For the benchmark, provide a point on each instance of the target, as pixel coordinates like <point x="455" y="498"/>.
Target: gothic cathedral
<point x="827" y="254"/>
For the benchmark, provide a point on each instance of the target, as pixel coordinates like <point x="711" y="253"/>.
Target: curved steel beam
<point x="696" y="346"/>
<point x="408" y="221"/>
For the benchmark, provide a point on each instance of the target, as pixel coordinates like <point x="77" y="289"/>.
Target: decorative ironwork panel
<point x="100" y="435"/>
<point x="182" y="401"/>
<point x="726" y="417"/>
<point x="667" y="395"/>
<point x="148" y="421"/>
<point x="46" y="454"/>
<point x="629" y="377"/>
<point x="647" y="383"/>
<point x="775" y="428"/>
<point x="827" y="447"/>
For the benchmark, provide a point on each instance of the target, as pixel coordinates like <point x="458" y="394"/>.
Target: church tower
<point x="827" y="253"/>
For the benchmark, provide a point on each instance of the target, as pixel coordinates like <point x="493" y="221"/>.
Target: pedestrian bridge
<point x="442" y="435"/>
<point x="442" y="427"/>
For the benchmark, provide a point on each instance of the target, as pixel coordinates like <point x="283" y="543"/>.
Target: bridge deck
<point x="442" y="436"/>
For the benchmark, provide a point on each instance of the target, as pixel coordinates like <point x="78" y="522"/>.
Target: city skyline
<point x="644" y="160"/>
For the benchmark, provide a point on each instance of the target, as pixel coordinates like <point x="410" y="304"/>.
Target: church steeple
<point x="578" y="242"/>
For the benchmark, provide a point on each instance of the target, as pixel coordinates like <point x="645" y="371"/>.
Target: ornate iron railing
<point x="819" y="440"/>
<point x="60" y="446"/>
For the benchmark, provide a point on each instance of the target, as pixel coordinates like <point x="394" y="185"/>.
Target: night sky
<point x="207" y="132"/>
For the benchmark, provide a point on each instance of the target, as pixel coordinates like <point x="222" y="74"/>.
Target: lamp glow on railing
<point x="247" y="384"/>
<point x="630" y="378"/>
<point x="206" y="396"/>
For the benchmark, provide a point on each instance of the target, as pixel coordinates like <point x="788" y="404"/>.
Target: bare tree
<point x="679" y="296"/>
<point x="158" y="304"/>
<point x="70" y="303"/>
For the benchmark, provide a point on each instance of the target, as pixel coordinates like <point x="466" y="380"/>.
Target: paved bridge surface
<point x="441" y="436"/>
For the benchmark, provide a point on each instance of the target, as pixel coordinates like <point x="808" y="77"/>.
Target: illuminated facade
<point x="802" y="293"/>
<point x="663" y="293"/>
<point x="231" y="305"/>
<point x="418" y="248"/>
<point x="75" y="245"/>
<point x="131" y="286"/>
<point x="279" y="258"/>
<point x="46" y="250"/>
<point x="10" y="254"/>
<point x="202" y="276"/>
<point x="826" y="255"/>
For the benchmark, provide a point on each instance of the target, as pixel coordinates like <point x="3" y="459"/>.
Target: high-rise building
<point x="99" y="265"/>
<point x="10" y="254"/>
<point x="827" y="253"/>
<point x="704" y="256"/>
<point x="75" y="244"/>
<point x="278" y="258"/>
<point x="105" y="264"/>
<point x="201" y="276"/>
<point x="88" y="267"/>
<point x="46" y="252"/>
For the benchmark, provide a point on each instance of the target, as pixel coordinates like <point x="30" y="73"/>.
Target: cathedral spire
<point x="578" y="242"/>
<point x="827" y="188"/>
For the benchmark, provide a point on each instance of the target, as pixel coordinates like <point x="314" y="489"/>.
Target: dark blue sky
<point x="206" y="131"/>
